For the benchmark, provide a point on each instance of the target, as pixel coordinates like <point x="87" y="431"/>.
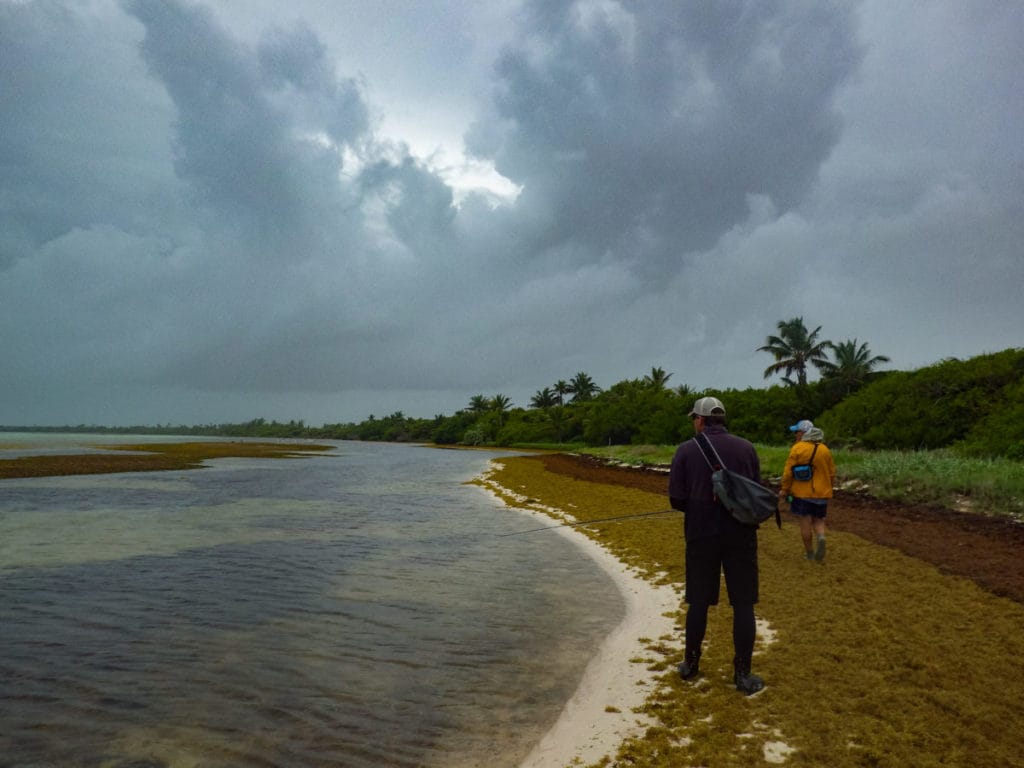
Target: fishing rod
<point x="590" y="522"/>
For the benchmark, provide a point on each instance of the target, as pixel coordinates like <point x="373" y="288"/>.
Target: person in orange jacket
<point x="807" y="482"/>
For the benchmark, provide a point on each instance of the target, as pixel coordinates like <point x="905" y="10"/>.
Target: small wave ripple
<point x="310" y="617"/>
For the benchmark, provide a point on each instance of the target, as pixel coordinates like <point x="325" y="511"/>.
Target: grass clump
<point x="872" y="658"/>
<point x="634" y="455"/>
<point x="941" y="477"/>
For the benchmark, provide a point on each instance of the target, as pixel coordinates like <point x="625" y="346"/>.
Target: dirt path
<point x="988" y="551"/>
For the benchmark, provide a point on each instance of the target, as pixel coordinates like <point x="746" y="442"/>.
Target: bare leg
<point x="807" y="533"/>
<point x="819" y="533"/>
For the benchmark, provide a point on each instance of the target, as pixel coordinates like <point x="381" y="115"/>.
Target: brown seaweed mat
<point x="987" y="550"/>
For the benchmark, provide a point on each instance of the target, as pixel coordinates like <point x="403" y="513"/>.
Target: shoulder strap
<point x="811" y="460"/>
<point x="704" y="444"/>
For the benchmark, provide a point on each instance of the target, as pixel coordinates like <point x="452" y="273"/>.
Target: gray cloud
<point x="252" y="160"/>
<point x="202" y="218"/>
<point x="645" y="129"/>
<point x="76" y="127"/>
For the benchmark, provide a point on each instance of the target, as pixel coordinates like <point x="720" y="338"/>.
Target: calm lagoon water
<point x="349" y="609"/>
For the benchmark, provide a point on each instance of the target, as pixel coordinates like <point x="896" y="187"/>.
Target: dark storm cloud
<point x="62" y="74"/>
<point x="645" y="128"/>
<point x="418" y="204"/>
<point x="261" y="135"/>
<point x="296" y="61"/>
<point x="245" y="154"/>
<point x="203" y="215"/>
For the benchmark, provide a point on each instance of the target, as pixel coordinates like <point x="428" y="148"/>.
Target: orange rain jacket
<point x="820" y="485"/>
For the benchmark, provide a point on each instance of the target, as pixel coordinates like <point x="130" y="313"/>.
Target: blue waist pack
<point x="806" y="471"/>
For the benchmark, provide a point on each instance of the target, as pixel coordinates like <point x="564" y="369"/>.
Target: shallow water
<point x="353" y="609"/>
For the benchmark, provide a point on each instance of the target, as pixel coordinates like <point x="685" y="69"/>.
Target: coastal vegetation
<point x="974" y="407"/>
<point x="951" y="433"/>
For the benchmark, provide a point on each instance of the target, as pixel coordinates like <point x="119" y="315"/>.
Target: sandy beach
<point x="587" y="728"/>
<point x="599" y="716"/>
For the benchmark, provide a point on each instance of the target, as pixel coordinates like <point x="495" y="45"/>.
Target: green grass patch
<point x="940" y="477"/>
<point x="943" y="477"/>
<point x="559" y="447"/>
<point x="633" y="455"/>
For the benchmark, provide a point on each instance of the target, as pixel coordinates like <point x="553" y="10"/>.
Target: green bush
<point x="764" y="415"/>
<point x="972" y="401"/>
<point x="474" y="436"/>
<point x="1001" y="432"/>
<point x="527" y="427"/>
<point x="450" y="430"/>
<point x="631" y="412"/>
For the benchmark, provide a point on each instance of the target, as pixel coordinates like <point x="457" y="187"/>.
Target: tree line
<point x="976" y="406"/>
<point x="647" y="410"/>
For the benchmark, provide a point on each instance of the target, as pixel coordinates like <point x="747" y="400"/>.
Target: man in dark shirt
<point x="715" y="542"/>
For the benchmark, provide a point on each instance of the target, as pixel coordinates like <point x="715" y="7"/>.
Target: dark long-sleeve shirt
<point x="689" y="482"/>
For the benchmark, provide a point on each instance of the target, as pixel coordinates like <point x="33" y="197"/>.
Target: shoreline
<point x="923" y="563"/>
<point x="599" y="715"/>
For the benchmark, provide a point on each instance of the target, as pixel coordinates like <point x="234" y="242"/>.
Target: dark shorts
<point x="806" y="507"/>
<point x="734" y="553"/>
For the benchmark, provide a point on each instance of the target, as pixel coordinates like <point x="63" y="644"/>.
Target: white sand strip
<point x="585" y="729"/>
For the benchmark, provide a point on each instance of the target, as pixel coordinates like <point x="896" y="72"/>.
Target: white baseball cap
<point x="707" y="406"/>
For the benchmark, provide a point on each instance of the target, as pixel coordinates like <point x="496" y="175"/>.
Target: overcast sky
<point x="324" y="210"/>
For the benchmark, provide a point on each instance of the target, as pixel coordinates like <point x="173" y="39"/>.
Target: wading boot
<point x="746" y="682"/>
<point x="689" y="669"/>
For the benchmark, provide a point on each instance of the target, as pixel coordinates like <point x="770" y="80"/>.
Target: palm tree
<point x="657" y="379"/>
<point x="562" y="389"/>
<point x="559" y="419"/>
<point x="853" y="365"/>
<point x="794" y="349"/>
<point x="479" y="404"/>
<point x="544" y="399"/>
<point x="500" y="405"/>
<point x="684" y="391"/>
<point x="582" y="387"/>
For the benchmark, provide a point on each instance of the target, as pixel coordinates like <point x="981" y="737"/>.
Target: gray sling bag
<point x="749" y="502"/>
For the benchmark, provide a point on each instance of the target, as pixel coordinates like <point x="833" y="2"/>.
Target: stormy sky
<point x="312" y="210"/>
